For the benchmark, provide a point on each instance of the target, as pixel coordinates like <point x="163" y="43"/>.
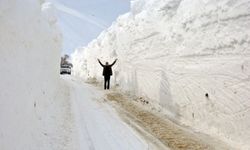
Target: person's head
<point x="107" y="63"/>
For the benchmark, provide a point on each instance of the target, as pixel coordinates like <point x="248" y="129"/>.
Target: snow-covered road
<point x="97" y="125"/>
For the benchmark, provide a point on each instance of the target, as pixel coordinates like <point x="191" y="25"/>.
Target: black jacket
<point x="107" y="69"/>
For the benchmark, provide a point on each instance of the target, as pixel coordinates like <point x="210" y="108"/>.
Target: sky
<point x="81" y="21"/>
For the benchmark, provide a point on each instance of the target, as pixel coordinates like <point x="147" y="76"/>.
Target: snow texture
<point x="97" y="124"/>
<point x="190" y="57"/>
<point x="30" y="52"/>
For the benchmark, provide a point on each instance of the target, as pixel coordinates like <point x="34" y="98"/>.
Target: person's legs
<point x="108" y="80"/>
<point x="105" y="81"/>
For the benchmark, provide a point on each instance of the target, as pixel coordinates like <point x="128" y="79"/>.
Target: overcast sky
<point x="81" y="21"/>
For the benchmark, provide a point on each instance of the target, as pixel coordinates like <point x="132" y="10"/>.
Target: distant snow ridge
<point x="30" y="52"/>
<point x="191" y="57"/>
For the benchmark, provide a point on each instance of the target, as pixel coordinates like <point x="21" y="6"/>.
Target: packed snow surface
<point x="97" y="125"/>
<point x="189" y="57"/>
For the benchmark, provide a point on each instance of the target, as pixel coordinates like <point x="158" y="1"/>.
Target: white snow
<point x="97" y="125"/>
<point x="38" y="109"/>
<point x="30" y="52"/>
<point x="174" y="52"/>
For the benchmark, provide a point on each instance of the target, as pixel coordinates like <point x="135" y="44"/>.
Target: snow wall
<point x="30" y="46"/>
<point x="191" y="57"/>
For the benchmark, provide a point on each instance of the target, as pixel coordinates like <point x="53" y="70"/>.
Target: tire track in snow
<point x="97" y="126"/>
<point x="67" y="133"/>
<point x="169" y="133"/>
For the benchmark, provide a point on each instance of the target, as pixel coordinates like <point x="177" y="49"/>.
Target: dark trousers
<point x="106" y="82"/>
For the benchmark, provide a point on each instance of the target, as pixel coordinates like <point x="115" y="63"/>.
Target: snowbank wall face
<point x="177" y="51"/>
<point x="30" y="52"/>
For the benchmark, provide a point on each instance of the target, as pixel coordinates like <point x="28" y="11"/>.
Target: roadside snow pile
<point x="192" y="57"/>
<point x="30" y="53"/>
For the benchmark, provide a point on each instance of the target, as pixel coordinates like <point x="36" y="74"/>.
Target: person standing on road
<point x="107" y="72"/>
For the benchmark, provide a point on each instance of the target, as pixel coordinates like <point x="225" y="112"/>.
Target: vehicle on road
<point x="65" y="69"/>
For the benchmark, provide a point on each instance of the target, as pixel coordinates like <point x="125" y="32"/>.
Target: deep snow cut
<point x="190" y="57"/>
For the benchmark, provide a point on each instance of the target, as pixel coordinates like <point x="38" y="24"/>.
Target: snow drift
<point x="191" y="57"/>
<point x="30" y="46"/>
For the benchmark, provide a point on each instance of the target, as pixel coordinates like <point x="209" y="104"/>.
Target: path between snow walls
<point x="110" y="120"/>
<point x="97" y="125"/>
<point x="190" y="58"/>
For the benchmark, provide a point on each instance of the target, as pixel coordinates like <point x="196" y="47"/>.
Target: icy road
<point x="96" y="124"/>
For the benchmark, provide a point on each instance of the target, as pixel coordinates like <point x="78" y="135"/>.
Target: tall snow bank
<point x="191" y="57"/>
<point x="30" y="55"/>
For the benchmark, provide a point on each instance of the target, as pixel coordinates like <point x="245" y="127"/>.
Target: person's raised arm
<point x="100" y="62"/>
<point x="113" y="62"/>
